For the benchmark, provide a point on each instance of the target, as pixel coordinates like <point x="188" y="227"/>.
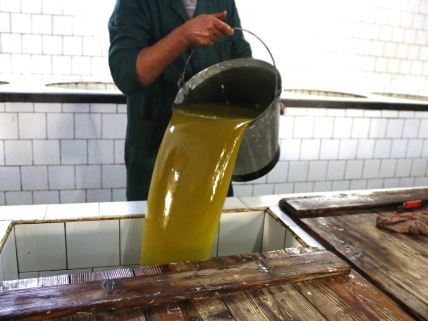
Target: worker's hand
<point x="282" y="108"/>
<point x="206" y="29"/>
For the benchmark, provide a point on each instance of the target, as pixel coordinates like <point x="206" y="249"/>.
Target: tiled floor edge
<point x="4" y="237"/>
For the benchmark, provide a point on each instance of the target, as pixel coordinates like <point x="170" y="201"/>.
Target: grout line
<point x="66" y="248"/>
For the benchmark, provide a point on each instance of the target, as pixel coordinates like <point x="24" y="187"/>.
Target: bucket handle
<point x="181" y="81"/>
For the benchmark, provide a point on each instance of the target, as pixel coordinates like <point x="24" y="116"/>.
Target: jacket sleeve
<point x="240" y="47"/>
<point x="129" y="29"/>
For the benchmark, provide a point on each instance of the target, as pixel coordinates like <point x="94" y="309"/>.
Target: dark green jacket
<point x="136" y="24"/>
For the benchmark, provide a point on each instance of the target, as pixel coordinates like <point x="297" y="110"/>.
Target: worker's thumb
<point x="221" y="15"/>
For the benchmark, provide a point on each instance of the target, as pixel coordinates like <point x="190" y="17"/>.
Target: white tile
<point x="60" y="126"/>
<point x="371" y="168"/>
<point x="98" y="195"/>
<point x="310" y="149"/>
<point x="365" y="148"/>
<point x="74" y="152"/>
<point x="298" y="171"/>
<point x="123" y="208"/>
<point x="11" y="42"/>
<point x="88" y="176"/>
<point x="62" y="25"/>
<point x="41" y="24"/>
<point x="395" y="128"/>
<point x="354" y="169"/>
<point x="329" y="149"/>
<point x="425" y="149"/>
<point x="279" y="173"/>
<point x="286" y="126"/>
<point x="34" y="177"/>
<point x="262" y="189"/>
<point x="88" y="125"/>
<point x="387" y="168"/>
<point x="119" y="151"/>
<point x="423" y="130"/>
<point x="242" y="190"/>
<point x="18" y="152"/>
<point x="414" y="148"/>
<point x="72" y="196"/>
<point x="119" y="194"/>
<point x="303" y="127"/>
<point x="273" y="234"/>
<point x="303" y="187"/>
<point x="72" y="211"/>
<point x="10" y="263"/>
<point x="11" y="178"/>
<point x="46" y="152"/>
<point x="403" y="167"/>
<point x="419" y="167"/>
<point x="2" y="199"/>
<point x="72" y="45"/>
<point x="21" y="23"/>
<point x="398" y="148"/>
<point x="323" y="127"/>
<point x="45" y="197"/>
<point x="382" y="148"/>
<point x="358" y="184"/>
<point x="92" y="244"/>
<point x="8" y="126"/>
<point x="296" y="111"/>
<point x="421" y="181"/>
<point x="121" y="108"/>
<point x="290" y="149"/>
<point x="113" y="176"/>
<point x="19" y="198"/>
<point x="240" y="233"/>
<point x="291" y="241"/>
<point x="283" y="188"/>
<point x="40" y="247"/>
<point x="378" y="128"/>
<point x="4" y="22"/>
<point x="374" y="183"/>
<point x="31" y="6"/>
<point x="20" y="213"/>
<point x="61" y="177"/>
<point x="101" y="152"/>
<point x="411" y="128"/>
<point x="75" y="108"/>
<point x="317" y="170"/>
<point x="52" y="6"/>
<point x="114" y="126"/>
<point x="340" y="185"/>
<point x="1" y="268"/>
<point x="131" y="232"/>
<point x="61" y="65"/>
<point x="260" y="201"/>
<point x="336" y="170"/>
<point x="342" y="127"/>
<point x="233" y="202"/>
<point x="1" y="153"/>
<point x="52" y="45"/>
<point x="80" y="65"/>
<point x="407" y="182"/>
<point x="348" y="148"/>
<point x="322" y="186"/>
<point x="19" y="107"/>
<point x="102" y="108"/>
<point x="32" y="44"/>
<point x="360" y="128"/>
<point x="29" y="275"/>
<point x="391" y="183"/>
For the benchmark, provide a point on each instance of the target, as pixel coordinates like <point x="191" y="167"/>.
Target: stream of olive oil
<point x="190" y="181"/>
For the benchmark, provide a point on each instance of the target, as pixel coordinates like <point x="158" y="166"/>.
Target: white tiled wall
<point x="77" y="155"/>
<point x="368" y="44"/>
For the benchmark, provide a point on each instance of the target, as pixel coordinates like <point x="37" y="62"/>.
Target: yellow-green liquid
<point x="190" y="181"/>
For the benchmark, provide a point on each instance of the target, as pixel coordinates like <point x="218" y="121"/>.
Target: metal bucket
<point x="244" y="81"/>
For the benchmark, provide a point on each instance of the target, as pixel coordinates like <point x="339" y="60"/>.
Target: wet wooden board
<point x="331" y="204"/>
<point x="55" y="301"/>
<point x="395" y="263"/>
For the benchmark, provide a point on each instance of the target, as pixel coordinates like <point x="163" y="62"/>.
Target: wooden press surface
<point x="396" y="263"/>
<point x="315" y="285"/>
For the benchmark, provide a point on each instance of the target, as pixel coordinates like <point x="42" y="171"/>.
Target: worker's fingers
<point x="223" y="27"/>
<point x="221" y="15"/>
<point x="217" y="34"/>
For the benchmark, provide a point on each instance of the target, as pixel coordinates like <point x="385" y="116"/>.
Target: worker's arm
<point x="204" y="30"/>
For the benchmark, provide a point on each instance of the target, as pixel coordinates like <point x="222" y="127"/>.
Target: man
<point x="150" y="40"/>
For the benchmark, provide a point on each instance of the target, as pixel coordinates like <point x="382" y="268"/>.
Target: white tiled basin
<point x="87" y="85"/>
<point x="402" y="96"/>
<point x="62" y="243"/>
<point x="322" y="93"/>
